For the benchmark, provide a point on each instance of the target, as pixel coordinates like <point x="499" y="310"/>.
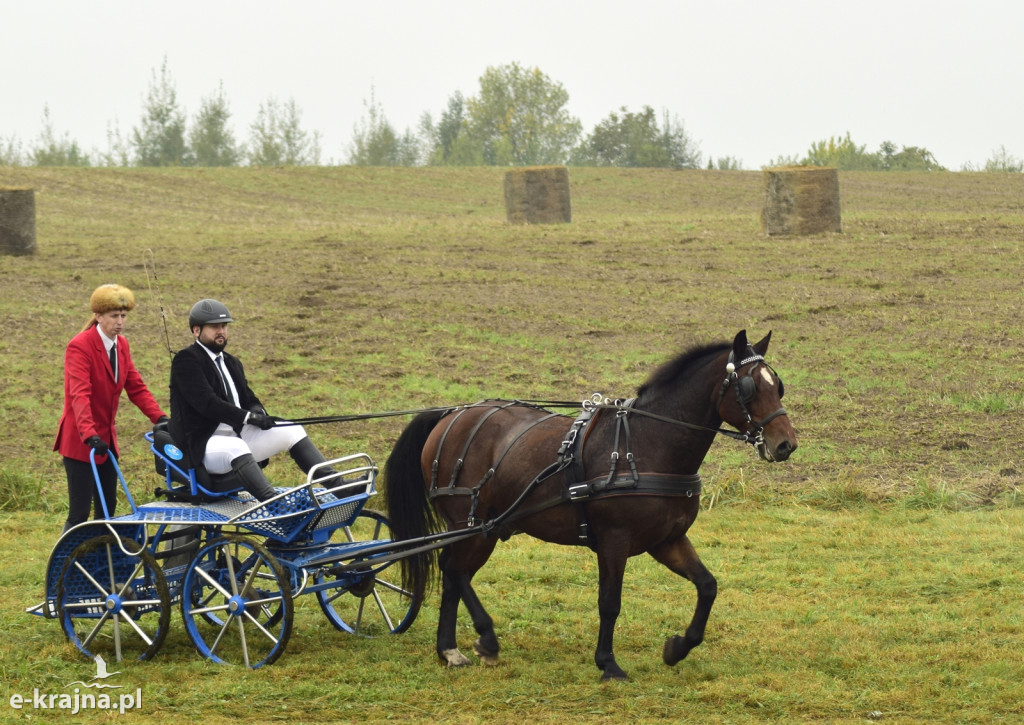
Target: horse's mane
<point x="668" y="373"/>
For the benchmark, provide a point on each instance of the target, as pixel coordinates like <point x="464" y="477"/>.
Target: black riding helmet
<point x="206" y="312"/>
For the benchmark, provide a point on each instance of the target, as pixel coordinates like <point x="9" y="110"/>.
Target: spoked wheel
<point x="368" y="603"/>
<point x="112" y="599"/>
<point x="270" y="610"/>
<point x="237" y="603"/>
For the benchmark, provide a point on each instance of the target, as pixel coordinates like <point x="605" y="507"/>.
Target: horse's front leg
<point x="680" y="557"/>
<point x="612" y="568"/>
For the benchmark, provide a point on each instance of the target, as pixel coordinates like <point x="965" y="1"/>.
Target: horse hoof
<point x="454" y="658"/>
<point x="487" y="658"/>
<point x="676" y="649"/>
<point x="615" y="674"/>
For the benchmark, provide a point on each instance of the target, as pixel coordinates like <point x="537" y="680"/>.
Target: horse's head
<point x="749" y="399"/>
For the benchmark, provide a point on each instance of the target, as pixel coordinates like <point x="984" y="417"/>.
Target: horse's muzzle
<point x="780" y="452"/>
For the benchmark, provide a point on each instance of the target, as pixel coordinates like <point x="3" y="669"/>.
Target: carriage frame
<point x="232" y="565"/>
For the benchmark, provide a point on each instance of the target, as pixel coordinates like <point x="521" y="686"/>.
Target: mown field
<point x="873" y="576"/>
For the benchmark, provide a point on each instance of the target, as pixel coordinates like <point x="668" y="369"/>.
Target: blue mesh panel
<point x="342" y="514"/>
<point x="98" y="563"/>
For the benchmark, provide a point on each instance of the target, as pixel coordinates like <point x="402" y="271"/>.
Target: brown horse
<point x="621" y="478"/>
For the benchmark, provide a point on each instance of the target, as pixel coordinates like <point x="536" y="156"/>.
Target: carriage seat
<point x="172" y="462"/>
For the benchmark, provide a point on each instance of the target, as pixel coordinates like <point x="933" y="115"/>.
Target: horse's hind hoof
<point x="487" y="658"/>
<point x="454" y="658"/>
<point x="676" y="649"/>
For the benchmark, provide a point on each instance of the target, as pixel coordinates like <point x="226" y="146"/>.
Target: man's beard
<point x="215" y="347"/>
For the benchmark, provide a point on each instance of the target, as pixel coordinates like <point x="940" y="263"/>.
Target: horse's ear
<point x="739" y="345"/>
<point x="762" y="347"/>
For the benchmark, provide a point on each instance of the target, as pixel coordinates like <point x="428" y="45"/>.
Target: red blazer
<point x="91" y="395"/>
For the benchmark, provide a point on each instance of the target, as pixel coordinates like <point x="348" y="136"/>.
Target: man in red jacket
<point x="97" y="367"/>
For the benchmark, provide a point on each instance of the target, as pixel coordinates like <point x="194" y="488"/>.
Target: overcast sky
<point x="750" y="79"/>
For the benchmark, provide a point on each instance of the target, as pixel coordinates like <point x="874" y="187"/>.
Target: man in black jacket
<point x="217" y="418"/>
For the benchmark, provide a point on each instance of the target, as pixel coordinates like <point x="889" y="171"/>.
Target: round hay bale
<point x="801" y="200"/>
<point x="537" y="195"/>
<point x="17" y="221"/>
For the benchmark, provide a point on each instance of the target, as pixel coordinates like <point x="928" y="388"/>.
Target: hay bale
<point x="801" y="200"/>
<point x="537" y="195"/>
<point x="17" y="221"/>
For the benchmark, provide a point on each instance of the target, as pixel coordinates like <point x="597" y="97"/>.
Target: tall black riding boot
<point x="306" y="455"/>
<point x="251" y="476"/>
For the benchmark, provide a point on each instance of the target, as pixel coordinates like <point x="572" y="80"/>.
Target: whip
<point x="149" y="263"/>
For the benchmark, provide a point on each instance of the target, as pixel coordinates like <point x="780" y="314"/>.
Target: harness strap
<point x="622" y="425"/>
<point x="646" y="484"/>
<point x="475" y="491"/>
<point x="653" y="484"/>
<point x="572" y="446"/>
<point x="440" y="445"/>
<point x="457" y="468"/>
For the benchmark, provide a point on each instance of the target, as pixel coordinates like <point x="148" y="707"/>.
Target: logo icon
<point x="101" y="674"/>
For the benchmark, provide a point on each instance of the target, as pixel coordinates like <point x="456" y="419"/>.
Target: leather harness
<point x="569" y="461"/>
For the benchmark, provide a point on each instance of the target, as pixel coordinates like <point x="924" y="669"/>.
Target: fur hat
<point x="111" y="297"/>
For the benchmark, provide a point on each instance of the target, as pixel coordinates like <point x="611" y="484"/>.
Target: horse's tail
<point x="405" y="494"/>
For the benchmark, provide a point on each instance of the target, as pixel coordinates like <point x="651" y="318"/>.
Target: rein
<point x="595" y="402"/>
<point x="317" y="420"/>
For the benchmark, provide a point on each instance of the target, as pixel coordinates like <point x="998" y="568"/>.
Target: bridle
<point x="746" y="390"/>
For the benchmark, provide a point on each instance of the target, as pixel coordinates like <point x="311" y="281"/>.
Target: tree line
<point x="518" y="117"/>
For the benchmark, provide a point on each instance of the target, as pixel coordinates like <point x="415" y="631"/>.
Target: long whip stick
<point x="150" y="264"/>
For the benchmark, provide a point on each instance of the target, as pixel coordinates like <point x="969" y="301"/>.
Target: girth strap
<point x="652" y="484"/>
<point x="646" y="484"/>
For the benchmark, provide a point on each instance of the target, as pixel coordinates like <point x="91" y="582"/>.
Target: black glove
<point x="261" y="421"/>
<point x="97" y="444"/>
<point x="163" y="419"/>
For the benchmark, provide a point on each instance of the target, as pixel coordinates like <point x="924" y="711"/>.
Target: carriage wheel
<point x="237" y="603"/>
<point x="113" y="600"/>
<point x="372" y="603"/>
<point x="270" y="611"/>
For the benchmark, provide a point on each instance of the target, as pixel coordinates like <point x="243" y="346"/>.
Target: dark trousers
<point x="82" y="493"/>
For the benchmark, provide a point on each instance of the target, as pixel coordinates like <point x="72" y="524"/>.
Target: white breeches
<point x="223" y="448"/>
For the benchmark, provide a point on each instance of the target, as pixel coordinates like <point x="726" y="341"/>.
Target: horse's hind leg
<point x="456" y="585"/>
<point x="486" y="646"/>
<point x="447" y="647"/>
<point x="680" y="557"/>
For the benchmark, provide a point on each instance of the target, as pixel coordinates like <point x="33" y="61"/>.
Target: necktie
<point x="113" y="360"/>
<point x="224" y="380"/>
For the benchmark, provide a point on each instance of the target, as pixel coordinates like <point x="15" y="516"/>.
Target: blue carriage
<point x="234" y="566"/>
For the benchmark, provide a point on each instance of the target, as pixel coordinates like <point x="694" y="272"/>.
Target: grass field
<point x="874" y="576"/>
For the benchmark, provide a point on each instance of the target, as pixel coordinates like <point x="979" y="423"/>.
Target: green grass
<point x="822" y="616"/>
<point x="874" y="572"/>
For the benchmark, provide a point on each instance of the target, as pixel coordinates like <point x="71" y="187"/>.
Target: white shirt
<point x="224" y="428"/>
<point x="107" y="344"/>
